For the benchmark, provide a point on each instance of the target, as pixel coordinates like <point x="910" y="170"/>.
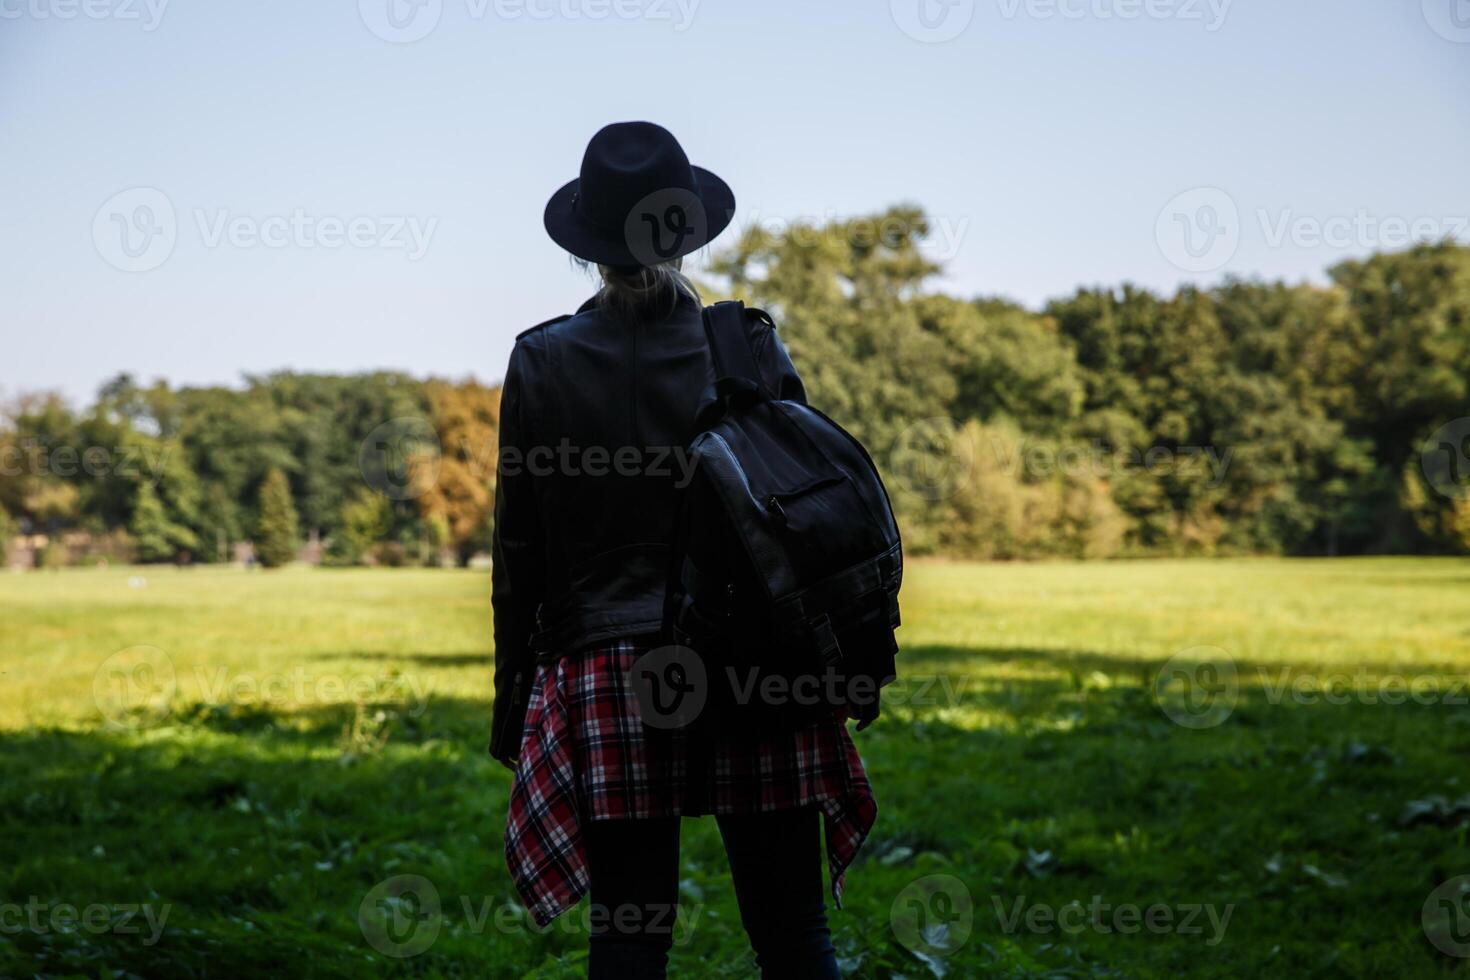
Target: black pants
<point x="775" y="861"/>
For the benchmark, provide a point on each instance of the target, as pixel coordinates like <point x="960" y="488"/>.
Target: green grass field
<point x="211" y="774"/>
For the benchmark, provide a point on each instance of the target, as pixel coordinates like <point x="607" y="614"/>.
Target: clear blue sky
<point x="1051" y="138"/>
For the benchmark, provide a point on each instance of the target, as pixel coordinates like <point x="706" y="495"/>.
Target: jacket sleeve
<point x="518" y="575"/>
<point x="776" y="368"/>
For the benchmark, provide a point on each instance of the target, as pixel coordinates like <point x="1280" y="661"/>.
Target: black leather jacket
<point x="595" y="419"/>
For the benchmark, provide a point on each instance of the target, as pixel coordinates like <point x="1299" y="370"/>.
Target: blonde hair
<point x="648" y="292"/>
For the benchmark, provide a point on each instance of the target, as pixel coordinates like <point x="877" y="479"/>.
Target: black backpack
<point x="786" y="561"/>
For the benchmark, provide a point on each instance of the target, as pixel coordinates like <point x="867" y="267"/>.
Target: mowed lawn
<point x="1153" y="769"/>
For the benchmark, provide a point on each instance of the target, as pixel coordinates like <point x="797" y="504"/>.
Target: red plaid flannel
<point x="584" y="756"/>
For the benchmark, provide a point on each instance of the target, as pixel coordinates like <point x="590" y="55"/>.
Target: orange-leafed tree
<point x="460" y="496"/>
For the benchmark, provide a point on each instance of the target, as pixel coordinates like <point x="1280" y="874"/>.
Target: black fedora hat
<point x="638" y="201"/>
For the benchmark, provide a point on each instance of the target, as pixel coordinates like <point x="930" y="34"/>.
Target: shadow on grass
<point x="264" y="832"/>
<point x="1250" y="671"/>
<point x="486" y="660"/>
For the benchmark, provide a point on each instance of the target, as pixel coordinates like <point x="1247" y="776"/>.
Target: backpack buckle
<point x="829" y="651"/>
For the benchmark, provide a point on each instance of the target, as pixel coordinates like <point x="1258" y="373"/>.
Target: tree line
<point x="379" y="468"/>
<point x="1252" y="417"/>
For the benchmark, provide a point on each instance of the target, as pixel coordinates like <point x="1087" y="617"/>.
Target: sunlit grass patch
<point x="261" y="753"/>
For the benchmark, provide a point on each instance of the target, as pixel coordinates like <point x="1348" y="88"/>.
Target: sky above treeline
<point x="196" y="191"/>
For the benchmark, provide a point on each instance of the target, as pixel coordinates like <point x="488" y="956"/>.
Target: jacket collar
<point x="591" y="303"/>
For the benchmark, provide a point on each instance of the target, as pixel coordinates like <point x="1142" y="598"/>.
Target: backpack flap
<point x="820" y="565"/>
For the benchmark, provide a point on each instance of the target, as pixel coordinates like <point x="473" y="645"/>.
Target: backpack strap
<point x="724" y="328"/>
<point x="737" y="374"/>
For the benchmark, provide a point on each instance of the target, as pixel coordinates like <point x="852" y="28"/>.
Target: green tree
<point x="1248" y="417"/>
<point x="1006" y="362"/>
<point x="277" y="531"/>
<point x="844" y="297"/>
<point x="365" y="521"/>
<point x="155" y="537"/>
<point x="219" y="523"/>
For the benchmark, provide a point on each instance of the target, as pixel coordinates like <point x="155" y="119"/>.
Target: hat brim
<point x="569" y="229"/>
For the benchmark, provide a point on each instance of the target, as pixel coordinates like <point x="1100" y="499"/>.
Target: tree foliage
<point x="1252" y="417"/>
<point x="277" y="532"/>
<point x="458" y="503"/>
<point x="156" y="537"/>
